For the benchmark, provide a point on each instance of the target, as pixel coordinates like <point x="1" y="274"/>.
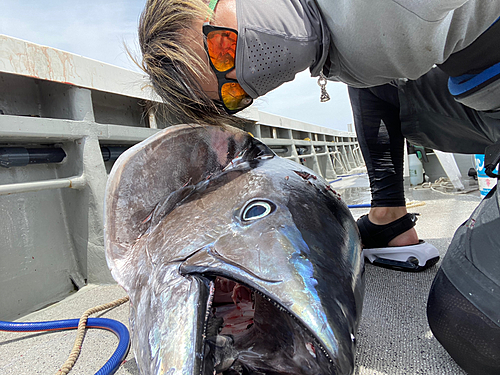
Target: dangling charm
<point x="322" y="83"/>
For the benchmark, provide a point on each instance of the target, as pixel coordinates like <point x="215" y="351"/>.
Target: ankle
<point x="386" y="215"/>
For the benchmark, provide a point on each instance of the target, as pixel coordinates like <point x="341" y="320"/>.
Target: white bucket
<point x="416" y="170"/>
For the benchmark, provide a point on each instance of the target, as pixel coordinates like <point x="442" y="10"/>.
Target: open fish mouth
<point x="247" y="332"/>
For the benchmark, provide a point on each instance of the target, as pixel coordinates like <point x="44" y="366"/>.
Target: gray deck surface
<point x="393" y="337"/>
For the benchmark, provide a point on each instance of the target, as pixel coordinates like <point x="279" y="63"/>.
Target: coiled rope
<point x="80" y="334"/>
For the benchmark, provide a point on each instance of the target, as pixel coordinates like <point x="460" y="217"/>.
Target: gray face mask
<point x="276" y="40"/>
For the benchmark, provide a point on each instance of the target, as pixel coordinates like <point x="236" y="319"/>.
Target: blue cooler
<point x="485" y="182"/>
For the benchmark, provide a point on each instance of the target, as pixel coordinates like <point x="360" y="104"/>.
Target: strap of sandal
<point x="376" y="236"/>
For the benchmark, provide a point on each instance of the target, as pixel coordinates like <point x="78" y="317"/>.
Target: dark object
<point x="421" y="154"/>
<point x="419" y="151"/>
<point x="463" y="309"/>
<point x="411" y="265"/>
<point x="280" y="150"/>
<point x="20" y="156"/>
<point x="472" y="173"/>
<point x="111" y="153"/>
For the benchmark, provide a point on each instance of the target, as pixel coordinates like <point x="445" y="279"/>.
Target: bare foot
<point x="386" y="215"/>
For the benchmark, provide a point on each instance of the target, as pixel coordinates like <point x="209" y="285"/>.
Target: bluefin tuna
<point x="236" y="261"/>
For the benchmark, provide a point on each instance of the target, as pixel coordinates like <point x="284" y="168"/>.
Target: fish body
<point x="236" y="261"/>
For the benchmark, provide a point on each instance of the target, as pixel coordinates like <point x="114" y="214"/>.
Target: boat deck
<point x="393" y="338"/>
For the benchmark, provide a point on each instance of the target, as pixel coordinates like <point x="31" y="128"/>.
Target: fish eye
<point x="257" y="210"/>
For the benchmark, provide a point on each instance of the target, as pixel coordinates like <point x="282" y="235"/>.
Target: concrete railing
<point x="52" y="213"/>
<point x="326" y="151"/>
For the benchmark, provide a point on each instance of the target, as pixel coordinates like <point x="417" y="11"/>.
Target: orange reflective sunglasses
<point x="220" y="44"/>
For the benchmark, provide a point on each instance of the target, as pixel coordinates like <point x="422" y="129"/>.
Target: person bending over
<point x="210" y="60"/>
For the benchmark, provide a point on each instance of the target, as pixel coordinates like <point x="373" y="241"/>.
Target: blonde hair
<point x="175" y="70"/>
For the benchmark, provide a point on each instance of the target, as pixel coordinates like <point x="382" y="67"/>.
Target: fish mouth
<point x="247" y="332"/>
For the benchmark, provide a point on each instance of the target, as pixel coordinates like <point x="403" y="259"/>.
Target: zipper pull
<point x="322" y="83"/>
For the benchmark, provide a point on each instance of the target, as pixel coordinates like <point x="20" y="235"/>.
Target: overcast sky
<point x="99" y="30"/>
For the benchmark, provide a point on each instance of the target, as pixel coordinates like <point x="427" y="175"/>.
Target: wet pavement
<point x="393" y="336"/>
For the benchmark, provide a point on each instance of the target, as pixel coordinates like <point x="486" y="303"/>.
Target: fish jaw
<point x="293" y="293"/>
<point x="167" y="321"/>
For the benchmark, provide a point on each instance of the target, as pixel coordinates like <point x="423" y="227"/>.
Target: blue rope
<point x="114" y="326"/>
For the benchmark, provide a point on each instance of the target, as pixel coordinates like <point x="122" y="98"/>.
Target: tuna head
<point x="236" y="261"/>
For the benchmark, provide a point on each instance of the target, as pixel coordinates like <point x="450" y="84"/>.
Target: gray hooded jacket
<point x="365" y="43"/>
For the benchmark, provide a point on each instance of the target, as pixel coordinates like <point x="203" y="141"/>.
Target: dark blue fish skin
<point x="168" y="236"/>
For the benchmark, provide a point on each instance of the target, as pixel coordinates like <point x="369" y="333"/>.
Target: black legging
<point x="426" y="114"/>
<point x="378" y="127"/>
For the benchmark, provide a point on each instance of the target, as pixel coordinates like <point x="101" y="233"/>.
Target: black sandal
<point x="374" y="235"/>
<point x="375" y="239"/>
